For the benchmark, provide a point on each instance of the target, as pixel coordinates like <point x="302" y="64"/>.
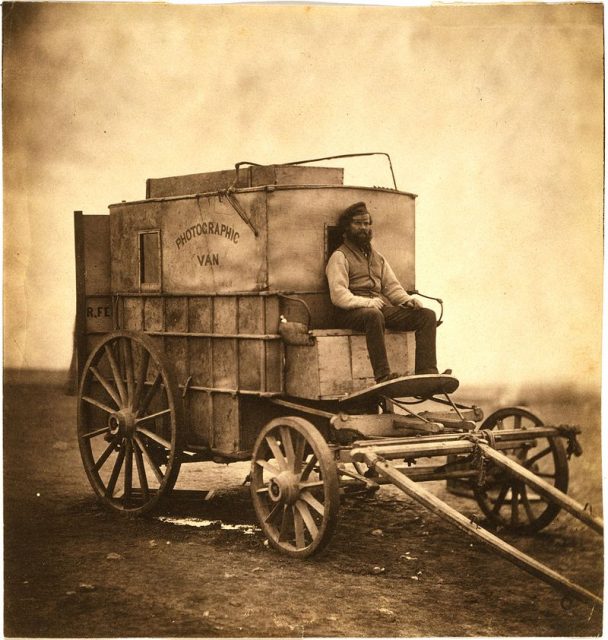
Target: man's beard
<point x="363" y="239"/>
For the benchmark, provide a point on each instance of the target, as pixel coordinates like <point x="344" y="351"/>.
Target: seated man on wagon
<point x="369" y="297"/>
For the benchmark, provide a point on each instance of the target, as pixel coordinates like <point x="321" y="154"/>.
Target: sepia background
<point x="493" y="115"/>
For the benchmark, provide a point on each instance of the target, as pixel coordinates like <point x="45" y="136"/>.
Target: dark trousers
<point x="372" y="322"/>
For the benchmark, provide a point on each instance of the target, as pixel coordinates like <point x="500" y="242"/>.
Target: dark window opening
<point x="149" y="258"/>
<point x="333" y="239"/>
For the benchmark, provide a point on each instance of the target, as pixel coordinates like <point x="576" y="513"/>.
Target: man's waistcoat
<point x="364" y="273"/>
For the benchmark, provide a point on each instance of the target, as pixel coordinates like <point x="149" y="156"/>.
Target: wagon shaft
<point x="542" y="487"/>
<point x="373" y="458"/>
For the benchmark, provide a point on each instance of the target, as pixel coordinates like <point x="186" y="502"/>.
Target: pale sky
<point x="493" y="115"/>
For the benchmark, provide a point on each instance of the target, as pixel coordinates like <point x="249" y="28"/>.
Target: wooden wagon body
<point x="205" y="331"/>
<point x="208" y="276"/>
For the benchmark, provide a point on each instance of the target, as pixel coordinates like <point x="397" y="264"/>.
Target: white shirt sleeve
<point x="337" y="277"/>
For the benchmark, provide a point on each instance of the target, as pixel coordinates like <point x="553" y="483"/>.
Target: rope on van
<point x="234" y="203"/>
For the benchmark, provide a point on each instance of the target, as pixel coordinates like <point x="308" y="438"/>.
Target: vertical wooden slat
<point x="80" y="341"/>
<point x="237" y="345"/>
<point x="210" y="403"/>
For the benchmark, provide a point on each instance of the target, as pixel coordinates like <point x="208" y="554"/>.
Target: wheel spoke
<point x="527" y="506"/>
<point x="269" y="467"/>
<point x="313" y="502"/>
<point x="299" y="452"/>
<point x="129" y="370"/>
<point x="128" y="470"/>
<point x="149" y="395"/>
<point x="310" y="465"/>
<point x="537" y="456"/>
<point x="141" y="471"/>
<point x="278" y="508"/>
<point x="141" y="378"/>
<point x="155" y="437"/>
<point x="514" y="504"/>
<point x="545" y="475"/>
<point x="288" y="447"/>
<point x="153" y="416"/>
<point x="298" y="525"/>
<point x="500" y="500"/>
<point x="105" y="455"/>
<point x="99" y="405"/>
<point x="311" y="485"/>
<point x="304" y="511"/>
<point x="276" y="451"/>
<point x="517" y="422"/>
<point x="284" y="523"/>
<point x="97" y="432"/>
<point x="157" y="472"/>
<point x="115" y="471"/>
<point x="116" y="373"/>
<point x="106" y="385"/>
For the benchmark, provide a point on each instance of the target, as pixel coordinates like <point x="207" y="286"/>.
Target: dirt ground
<point x="72" y="569"/>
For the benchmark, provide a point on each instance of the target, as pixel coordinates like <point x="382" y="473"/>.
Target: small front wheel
<point x="294" y="487"/>
<point x="508" y="502"/>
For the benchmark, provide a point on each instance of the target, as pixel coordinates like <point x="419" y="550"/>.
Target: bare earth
<point x="72" y="569"/>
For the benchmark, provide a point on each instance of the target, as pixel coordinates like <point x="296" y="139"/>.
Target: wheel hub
<point x="284" y="488"/>
<point x="122" y="422"/>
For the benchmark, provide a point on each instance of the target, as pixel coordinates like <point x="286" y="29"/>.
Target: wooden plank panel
<point x="200" y="361"/>
<point x="225" y="422"/>
<point x="133" y="314"/>
<point x="200" y="418"/>
<point x="224" y="363"/>
<point x="250" y="364"/>
<point x="176" y="313"/>
<point x="208" y="247"/>
<point x="176" y="350"/>
<point x="272" y="314"/>
<point x="251" y="314"/>
<point x="361" y="366"/>
<point x="302" y="371"/>
<point x="274" y="365"/>
<point x="335" y="376"/>
<point x="126" y="220"/>
<point x="200" y="314"/>
<point x="225" y="314"/>
<point x="400" y="358"/>
<point x="153" y="314"/>
<point x="96" y="238"/>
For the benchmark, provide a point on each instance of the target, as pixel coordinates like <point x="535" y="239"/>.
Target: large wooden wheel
<point x="129" y="423"/>
<point x="506" y="501"/>
<point x="294" y="486"/>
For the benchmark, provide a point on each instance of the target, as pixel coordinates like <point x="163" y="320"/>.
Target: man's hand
<point x="377" y="303"/>
<point x="412" y="303"/>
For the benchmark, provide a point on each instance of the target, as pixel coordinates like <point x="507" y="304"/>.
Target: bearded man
<point x="369" y="297"/>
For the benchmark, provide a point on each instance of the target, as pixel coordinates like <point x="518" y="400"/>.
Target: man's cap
<point x="355" y="209"/>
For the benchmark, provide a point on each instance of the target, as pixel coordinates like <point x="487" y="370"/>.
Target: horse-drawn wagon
<point x="205" y="333"/>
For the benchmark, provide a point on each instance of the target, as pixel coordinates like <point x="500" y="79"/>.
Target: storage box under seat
<point x="336" y="363"/>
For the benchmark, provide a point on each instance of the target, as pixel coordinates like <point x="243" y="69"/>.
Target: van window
<point x="149" y="259"/>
